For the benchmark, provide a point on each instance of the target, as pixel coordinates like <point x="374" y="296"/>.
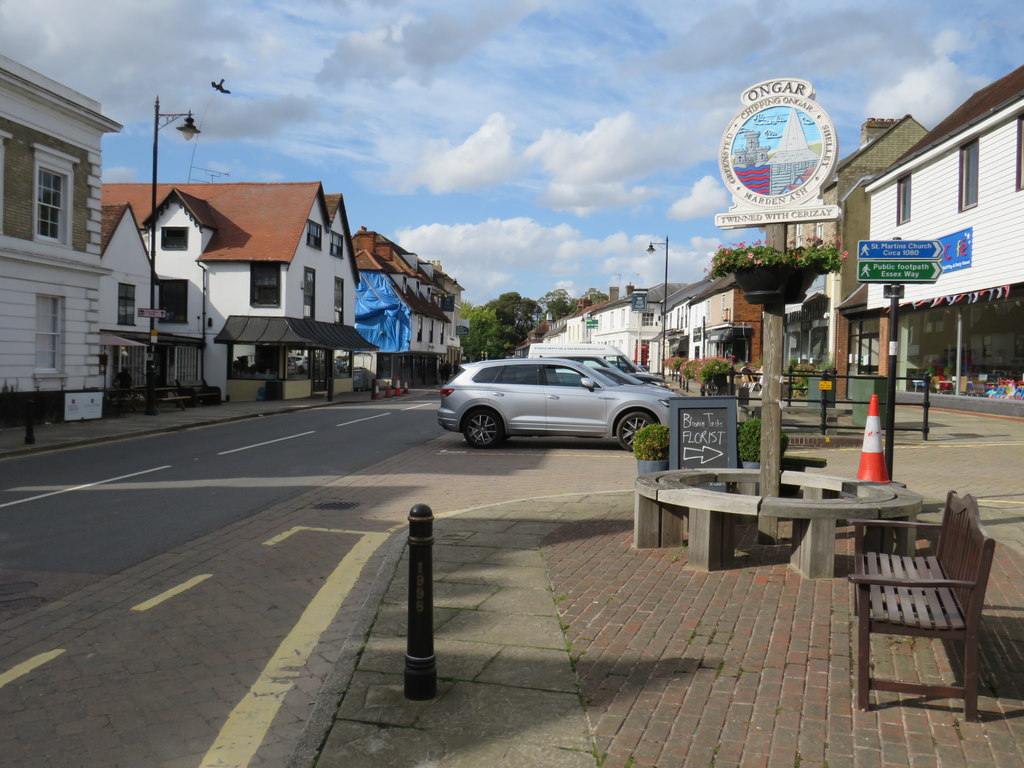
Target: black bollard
<point x="420" y="663"/>
<point x="30" y="431"/>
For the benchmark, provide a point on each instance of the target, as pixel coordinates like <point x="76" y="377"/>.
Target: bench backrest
<point x="965" y="551"/>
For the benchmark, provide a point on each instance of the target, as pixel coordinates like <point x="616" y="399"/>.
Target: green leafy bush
<point x="650" y="443"/>
<point x="748" y="440"/>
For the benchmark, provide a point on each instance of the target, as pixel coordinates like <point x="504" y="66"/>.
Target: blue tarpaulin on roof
<point x="381" y="317"/>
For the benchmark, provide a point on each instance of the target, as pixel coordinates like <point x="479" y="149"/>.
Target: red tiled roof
<point x="251" y="222"/>
<point x="981" y="103"/>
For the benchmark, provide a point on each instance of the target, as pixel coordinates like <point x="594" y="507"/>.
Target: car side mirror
<point x="588" y="383"/>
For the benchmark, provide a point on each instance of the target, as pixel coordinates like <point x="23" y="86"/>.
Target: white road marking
<point x="417" y="406"/>
<point x="183" y="587"/>
<point x="81" y="487"/>
<point x="356" y="421"/>
<point x="268" y="442"/>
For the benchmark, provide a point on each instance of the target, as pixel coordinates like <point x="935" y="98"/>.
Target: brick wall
<point x="19" y="184"/>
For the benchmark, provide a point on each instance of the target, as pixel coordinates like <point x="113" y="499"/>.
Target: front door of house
<point x="318" y="369"/>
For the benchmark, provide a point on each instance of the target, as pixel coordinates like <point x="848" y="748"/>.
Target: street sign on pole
<point x="886" y="271"/>
<point x="158" y="313"/>
<point x="899" y="261"/>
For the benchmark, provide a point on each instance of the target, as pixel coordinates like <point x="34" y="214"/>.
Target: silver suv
<point x="494" y="399"/>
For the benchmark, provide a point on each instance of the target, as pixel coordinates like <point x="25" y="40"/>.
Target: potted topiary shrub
<point x="650" y="446"/>
<point x="748" y="442"/>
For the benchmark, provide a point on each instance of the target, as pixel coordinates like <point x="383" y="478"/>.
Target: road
<point x="202" y="585"/>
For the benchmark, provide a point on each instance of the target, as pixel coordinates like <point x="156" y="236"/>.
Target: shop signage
<point x="776" y="154"/>
<point x="702" y="433"/>
<point x="639" y="301"/>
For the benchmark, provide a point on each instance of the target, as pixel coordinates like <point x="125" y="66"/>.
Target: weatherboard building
<point x="962" y="185"/>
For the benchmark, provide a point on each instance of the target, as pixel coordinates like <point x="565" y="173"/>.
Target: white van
<point x="608" y="355"/>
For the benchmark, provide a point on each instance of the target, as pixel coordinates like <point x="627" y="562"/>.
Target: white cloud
<point x="486" y="157"/>
<point x="930" y="91"/>
<point x="707" y="197"/>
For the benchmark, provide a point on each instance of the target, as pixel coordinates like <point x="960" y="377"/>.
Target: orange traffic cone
<point x="398" y="387"/>
<point x="387" y="389"/>
<point x="872" y="462"/>
<point x="376" y="389"/>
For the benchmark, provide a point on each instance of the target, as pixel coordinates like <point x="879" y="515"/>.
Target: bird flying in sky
<point x="220" y="86"/>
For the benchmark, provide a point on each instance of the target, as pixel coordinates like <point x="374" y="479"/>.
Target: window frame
<point x="339" y="300"/>
<point x="261" y="270"/>
<point x="314" y="234"/>
<point x="62" y="166"/>
<point x="904" y="198"/>
<point x="53" y="334"/>
<point x="4" y="138"/>
<point x="174" y="301"/>
<point x="164" y="231"/>
<point x="126" y="303"/>
<point x="337" y="244"/>
<point x="969" y="164"/>
<point x="309" y="293"/>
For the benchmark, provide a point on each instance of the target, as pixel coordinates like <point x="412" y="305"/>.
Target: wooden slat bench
<point x="171" y="396"/>
<point x="937" y="596"/>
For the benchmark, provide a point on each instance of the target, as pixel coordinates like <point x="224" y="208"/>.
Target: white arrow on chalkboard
<point x="705" y="453"/>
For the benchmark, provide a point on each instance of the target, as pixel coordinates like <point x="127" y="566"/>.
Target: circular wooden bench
<point x="672" y="508"/>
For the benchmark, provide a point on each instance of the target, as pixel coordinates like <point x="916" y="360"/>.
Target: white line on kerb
<point x="268" y="442"/>
<point x="356" y="421"/>
<point x="86" y="485"/>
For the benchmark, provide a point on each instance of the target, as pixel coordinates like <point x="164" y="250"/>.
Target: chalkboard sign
<point x="702" y="431"/>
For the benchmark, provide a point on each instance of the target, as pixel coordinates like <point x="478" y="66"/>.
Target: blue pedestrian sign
<point x="899" y="261"/>
<point x="899" y="249"/>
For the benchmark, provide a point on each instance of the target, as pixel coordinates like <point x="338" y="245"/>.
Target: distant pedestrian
<point x="123" y="380"/>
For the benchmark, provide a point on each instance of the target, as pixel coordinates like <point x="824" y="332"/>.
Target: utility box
<point x="274" y="389"/>
<point x="860" y="391"/>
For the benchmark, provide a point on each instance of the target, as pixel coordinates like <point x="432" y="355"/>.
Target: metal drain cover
<point x="337" y="505"/>
<point x="21" y="602"/>
<point x="14" y="587"/>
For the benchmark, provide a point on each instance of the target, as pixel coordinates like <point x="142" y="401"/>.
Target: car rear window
<point x="487" y="375"/>
<point x="519" y="374"/>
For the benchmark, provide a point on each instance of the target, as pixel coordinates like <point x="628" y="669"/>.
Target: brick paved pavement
<point x="748" y="666"/>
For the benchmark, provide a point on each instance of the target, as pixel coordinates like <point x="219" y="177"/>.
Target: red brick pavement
<point x="753" y="666"/>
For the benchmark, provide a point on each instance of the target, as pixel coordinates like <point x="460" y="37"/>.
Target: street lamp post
<point x="188" y="130"/>
<point x="664" y="305"/>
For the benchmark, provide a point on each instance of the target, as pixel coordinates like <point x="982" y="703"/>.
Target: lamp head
<point x="650" y="248"/>
<point x="189" y="129"/>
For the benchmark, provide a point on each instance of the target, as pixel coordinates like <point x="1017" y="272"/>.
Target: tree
<point x="485" y="339"/>
<point x="516" y="317"/>
<point x="595" y="295"/>
<point x="557" y="303"/>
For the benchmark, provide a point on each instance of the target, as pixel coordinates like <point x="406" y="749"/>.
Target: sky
<point x="527" y="145"/>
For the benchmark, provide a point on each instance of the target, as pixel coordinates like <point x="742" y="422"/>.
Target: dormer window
<point x="174" y="238"/>
<point x="314" y="235"/>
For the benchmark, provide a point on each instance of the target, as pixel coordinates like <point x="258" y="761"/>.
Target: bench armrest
<point x="893" y="524"/>
<point x="892" y="581"/>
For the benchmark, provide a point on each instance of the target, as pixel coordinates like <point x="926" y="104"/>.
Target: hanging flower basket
<point x="768" y="276"/>
<point x="772" y="285"/>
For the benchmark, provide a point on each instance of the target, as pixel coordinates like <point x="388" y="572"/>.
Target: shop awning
<point x="725" y="335"/>
<point x="242" y="329"/>
<point x="110" y="340"/>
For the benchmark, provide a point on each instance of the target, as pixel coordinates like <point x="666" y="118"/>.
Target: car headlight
<point x="664" y="402"/>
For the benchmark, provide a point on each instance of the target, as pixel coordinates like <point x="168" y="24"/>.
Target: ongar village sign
<point x="776" y="154"/>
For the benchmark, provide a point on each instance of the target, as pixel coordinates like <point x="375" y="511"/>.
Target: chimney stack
<point x="629" y="289"/>
<point x="613" y="293"/>
<point x="874" y="127"/>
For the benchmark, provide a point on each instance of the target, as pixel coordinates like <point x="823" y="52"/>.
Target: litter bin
<point x="274" y="389"/>
<point x="860" y="391"/>
<point x="815" y="393"/>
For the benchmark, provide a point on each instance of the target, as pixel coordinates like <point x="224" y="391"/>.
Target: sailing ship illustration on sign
<point x="772" y="163"/>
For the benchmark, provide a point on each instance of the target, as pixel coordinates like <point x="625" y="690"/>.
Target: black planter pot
<point x="774" y="285"/>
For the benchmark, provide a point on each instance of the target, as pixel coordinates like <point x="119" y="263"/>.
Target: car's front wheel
<point x="483" y="429"/>
<point x="628" y="426"/>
